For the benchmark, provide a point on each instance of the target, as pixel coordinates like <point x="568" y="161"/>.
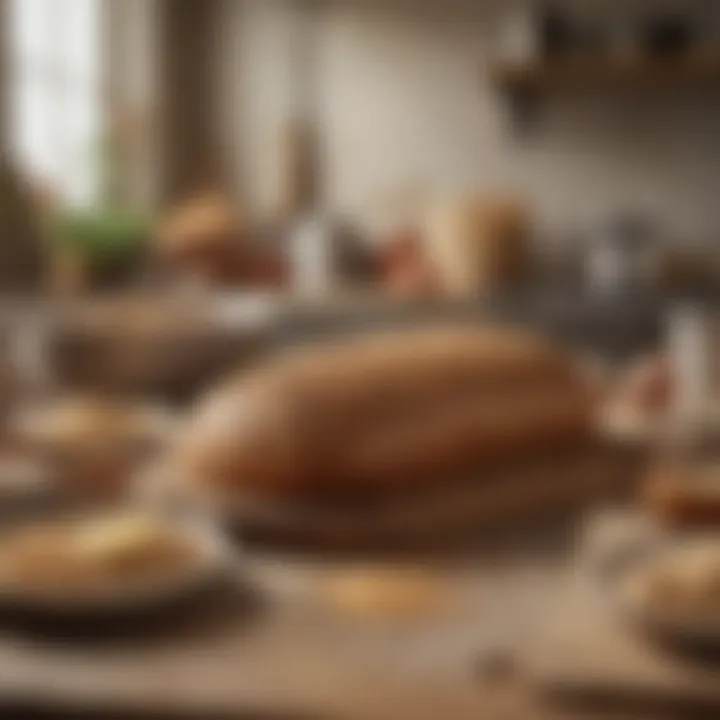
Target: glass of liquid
<point x="684" y="482"/>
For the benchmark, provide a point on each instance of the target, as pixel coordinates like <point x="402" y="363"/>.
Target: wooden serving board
<point x="497" y="500"/>
<point x="587" y="655"/>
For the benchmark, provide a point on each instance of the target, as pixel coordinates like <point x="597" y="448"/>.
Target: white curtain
<point x="55" y="72"/>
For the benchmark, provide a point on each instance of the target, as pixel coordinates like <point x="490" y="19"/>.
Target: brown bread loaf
<point x="379" y="413"/>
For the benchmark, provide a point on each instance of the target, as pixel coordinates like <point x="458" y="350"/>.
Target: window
<point x="55" y="94"/>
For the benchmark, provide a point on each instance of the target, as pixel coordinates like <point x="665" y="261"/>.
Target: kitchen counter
<point x="252" y="324"/>
<point x="617" y="328"/>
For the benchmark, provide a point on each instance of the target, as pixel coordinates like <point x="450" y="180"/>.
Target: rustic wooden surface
<point x="289" y="653"/>
<point x="286" y="650"/>
<point x="586" y="653"/>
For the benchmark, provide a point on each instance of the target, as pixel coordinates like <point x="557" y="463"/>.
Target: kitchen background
<point x="594" y="121"/>
<point x="191" y="191"/>
<point x="405" y="97"/>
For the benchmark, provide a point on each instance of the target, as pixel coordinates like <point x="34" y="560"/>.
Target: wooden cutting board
<point x="586" y="655"/>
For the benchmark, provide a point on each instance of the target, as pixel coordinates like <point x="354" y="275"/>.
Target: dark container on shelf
<point x="564" y="36"/>
<point x="668" y="35"/>
<point x="556" y="34"/>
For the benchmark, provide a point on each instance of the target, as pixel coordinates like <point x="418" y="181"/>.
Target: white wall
<point x="255" y="58"/>
<point x="133" y="31"/>
<point x="405" y="98"/>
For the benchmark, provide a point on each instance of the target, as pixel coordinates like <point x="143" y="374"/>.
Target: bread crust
<point x="388" y="411"/>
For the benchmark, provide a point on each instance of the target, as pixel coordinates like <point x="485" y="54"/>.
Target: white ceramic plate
<point x="37" y="426"/>
<point x="214" y="560"/>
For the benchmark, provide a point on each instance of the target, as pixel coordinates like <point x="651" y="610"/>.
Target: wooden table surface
<point x="288" y="653"/>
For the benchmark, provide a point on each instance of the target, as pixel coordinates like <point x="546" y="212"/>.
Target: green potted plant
<point x="103" y="243"/>
<point x="107" y="242"/>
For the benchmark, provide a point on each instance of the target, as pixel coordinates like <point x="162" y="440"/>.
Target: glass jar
<point x="684" y="482"/>
<point x="683" y="487"/>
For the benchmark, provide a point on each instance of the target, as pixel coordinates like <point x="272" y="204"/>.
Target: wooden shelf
<point x="580" y="75"/>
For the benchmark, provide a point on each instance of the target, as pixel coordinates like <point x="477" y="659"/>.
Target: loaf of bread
<point x="205" y="223"/>
<point x="375" y="415"/>
<point x="203" y="239"/>
<point x="477" y="245"/>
